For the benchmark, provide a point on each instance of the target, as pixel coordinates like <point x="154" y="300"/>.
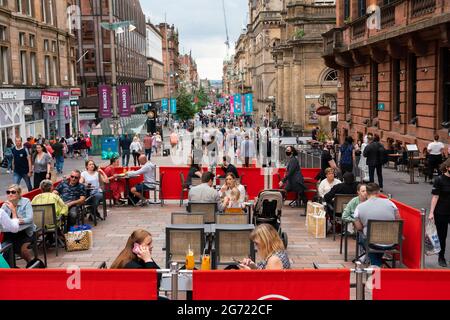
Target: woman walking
<point x="41" y="165"/>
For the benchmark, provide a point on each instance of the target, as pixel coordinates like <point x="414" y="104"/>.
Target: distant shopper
<point x="435" y="152"/>
<point x="22" y="164"/>
<point x="347" y="155"/>
<point x="125" y="143"/>
<point x="375" y="153"/>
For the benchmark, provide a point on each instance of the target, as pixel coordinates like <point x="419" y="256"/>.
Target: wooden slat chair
<point x="231" y="244"/>
<point x="209" y="209"/>
<point x="187" y="218"/>
<point x="178" y="241"/>
<point x="385" y="236"/>
<point x="232" y="218"/>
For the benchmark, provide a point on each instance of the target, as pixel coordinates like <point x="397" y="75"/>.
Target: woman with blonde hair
<point x="136" y="149"/>
<point x="231" y="183"/>
<point x="270" y="248"/>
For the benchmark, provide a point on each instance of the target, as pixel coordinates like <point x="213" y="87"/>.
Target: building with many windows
<point x="171" y="58"/>
<point x="155" y="85"/>
<point x="37" y="69"/>
<point x="394" y="67"/>
<point x="94" y="49"/>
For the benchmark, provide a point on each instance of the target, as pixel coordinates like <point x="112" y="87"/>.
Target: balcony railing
<point x="422" y="7"/>
<point x="387" y="16"/>
<point x="359" y="28"/>
<point x="333" y="39"/>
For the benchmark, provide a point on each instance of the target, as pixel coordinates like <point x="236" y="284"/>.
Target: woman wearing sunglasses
<point x="19" y="208"/>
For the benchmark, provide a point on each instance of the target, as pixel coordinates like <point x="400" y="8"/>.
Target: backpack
<point x="347" y="154"/>
<point x="8" y="152"/>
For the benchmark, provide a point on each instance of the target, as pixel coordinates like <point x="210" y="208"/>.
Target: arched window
<point x="331" y="76"/>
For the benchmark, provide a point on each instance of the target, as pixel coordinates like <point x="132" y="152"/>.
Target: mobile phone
<point x="136" y="248"/>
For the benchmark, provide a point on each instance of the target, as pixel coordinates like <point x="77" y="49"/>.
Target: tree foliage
<point x="185" y="108"/>
<point x="202" y="98"/>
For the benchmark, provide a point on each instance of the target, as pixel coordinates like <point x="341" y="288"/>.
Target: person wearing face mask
<point x="293" y="180"/>
<point x="440" y="208"/>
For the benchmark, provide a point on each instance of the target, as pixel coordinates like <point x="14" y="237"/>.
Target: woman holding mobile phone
<point x="270" y="248"/>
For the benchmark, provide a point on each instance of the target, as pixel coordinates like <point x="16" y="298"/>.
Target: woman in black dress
<point x="440" y="208"/>
<point x="293" y="180"/>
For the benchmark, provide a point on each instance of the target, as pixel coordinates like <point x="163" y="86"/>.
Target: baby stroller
<point x="268" y="210"/>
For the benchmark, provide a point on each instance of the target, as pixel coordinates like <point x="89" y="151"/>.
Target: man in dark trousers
<point x="125" y="144"/>
<point x="374" y="154"/>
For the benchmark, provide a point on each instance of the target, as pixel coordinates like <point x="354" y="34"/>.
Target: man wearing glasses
<point x="73" y="193"/>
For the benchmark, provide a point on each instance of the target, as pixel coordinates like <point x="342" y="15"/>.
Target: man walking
<point x="247" y="150"/>
<point x="21" y="164"/>
<point x="125" y="143"/>
<point x="435" y="151"/>
<point x="148" y="144"/>
<point x="375" y="154"/>
<point x="58" y="153"/>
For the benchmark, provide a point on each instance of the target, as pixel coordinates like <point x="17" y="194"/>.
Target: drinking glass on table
<point x="190" y="262"/>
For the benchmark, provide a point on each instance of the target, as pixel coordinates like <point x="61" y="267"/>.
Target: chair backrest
<point x="187" y="218"/>
<point x="384" y="232"/>
<point x="180" y="238"/>
<point x="209" y="209"/>
<point x="231" y="244"/>
<point x="232" y="218"/>
<point x="340" y="200"/>
<point x="182" y="179"/>
<point x="44" y="215"/>
<point x="196" y="182"/>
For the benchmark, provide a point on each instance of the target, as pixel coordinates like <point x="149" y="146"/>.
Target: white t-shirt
<point x="325" y="186"/>
<point x="435" y="148"/>
<point x="7" y="224"/>
<point x="92" y="179"/>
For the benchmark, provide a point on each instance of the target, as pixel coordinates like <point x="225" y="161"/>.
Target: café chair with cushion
<point x="209" y="209"/>
<point x="187" y="218"/>
<point x="7" y="251"/>
<point x="180" y="238"/>
<point x="39" y="219"/>
<point x="230" y="243"/>
<point x="385" y="236"/>
<point x="51" y="223"/>
<point x="232" y="218"/>
<point x="340" y="201"/>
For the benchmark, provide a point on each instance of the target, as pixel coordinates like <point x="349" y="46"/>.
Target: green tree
<point x="202" y="99"/>
<point x="185" y="107"/>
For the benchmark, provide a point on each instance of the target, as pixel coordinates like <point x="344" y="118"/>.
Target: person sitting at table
<point x="17" y="207"/>
<point x="233" y="201"/>
<point x="227" y="167"/>
<point x="137" y="254"/>
<point x="48" y="197"/>
<point x="204" y="192"/>
<point x="8" y="224"/>
<point x="375" y="208"/>
<point x="194" y="172"/>
<point x="115" y="185"/>
<point x="327" y="184"/>
<point x="91" y="179"/>
<point x="148" y="170"/>
<point x="73" y="194"/>
<point x="347" y="187"/>
<point x="230" y="184"/>
<point x="270" y="248"/>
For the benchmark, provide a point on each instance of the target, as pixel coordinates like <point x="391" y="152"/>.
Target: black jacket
<point x="374" y="153"/>
<point x="231" y="168"/>
<point x="294" y="178"/>
<point x="342" y="188"/>
<point x="142" y="265"/>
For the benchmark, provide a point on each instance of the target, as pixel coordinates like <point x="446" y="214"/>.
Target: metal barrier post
<point x="359" y="281"/>
<point x="389" y="196"/>
<point x="423" y="214"/>
<point x="174" y="273"/>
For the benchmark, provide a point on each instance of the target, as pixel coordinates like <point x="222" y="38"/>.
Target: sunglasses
<point x="11" y="192"/>
<point x="74" y="177"/>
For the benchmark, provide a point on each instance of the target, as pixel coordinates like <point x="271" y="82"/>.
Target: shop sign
<point x="323" y="111"/>
<point x="50" y="97"/>
<point x="75" y="92"/>
<point x="28" y="110"/>
<point x="9" y="95"/>
<point x="312" y="96"/>
<point x="87" y="116"/>
<point x="32" y="94"/>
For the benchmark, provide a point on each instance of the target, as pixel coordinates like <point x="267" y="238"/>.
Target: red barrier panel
<point x="253" y="179"/>
<point x="90" y="285"/>
<point x="310" y="184"/>
<point x="411" y="285"/>
<point x="272" y="285"/>
<point x="412" y="234"/>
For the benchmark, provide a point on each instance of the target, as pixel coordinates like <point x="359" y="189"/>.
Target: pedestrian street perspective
<point x="224" y="150"/>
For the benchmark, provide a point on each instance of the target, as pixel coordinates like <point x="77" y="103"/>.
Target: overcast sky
<point x="202" y="28"/>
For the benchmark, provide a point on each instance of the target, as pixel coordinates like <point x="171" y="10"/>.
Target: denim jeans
<point x="376" y="259"/>
<point x="59" y="164"/>
<point x="148" y="154"/>
<point x="125" y="158"/>
<point x="19" y="176"/>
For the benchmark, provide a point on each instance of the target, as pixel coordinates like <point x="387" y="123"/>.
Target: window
<point x="3" y="3"/>
<point x="32" y="40"/>
<point x="47" y="11"/>
<point x="3" y="33"/>
<point x="55" y="71"/>
<point x="331" y="76"/>
<point x="47" y="70"/>
<point x="4" y="65"/>
<point x="22" y="39"/>
<point x="346" y="9"/>
<point x="54" y="46"/>
<point x="150" y="72"/>
<point x="33" y="68"/>
<point x="362" y="8"/>
<point x="347" y="92"/>
<point x="46" y="45"/>
<point x="445" y="71"/>
<point x="19" y="6"/>
<point x="72" y="74"/>
<point x="412" y="87"/>
<point x="23" y="66"/>
<point x="374" y="89"/>
<point x="395" y="82"/>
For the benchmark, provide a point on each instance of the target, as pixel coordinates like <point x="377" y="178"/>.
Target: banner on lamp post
<point x="238" y="104"/>
<point x="249" y="103"/>
<point x="104" y="95"/>
<point x="124" y="93"/>
<point x="173" y="105"/>
<point x="231" y="104"/>
<point x="165" y="105"/>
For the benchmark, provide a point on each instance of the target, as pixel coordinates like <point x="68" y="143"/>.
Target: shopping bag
<point x="432" y="244"/>
<point x="313" y="208"/>
<point x="78" y="240"/>
<point x="317" y="224"/>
